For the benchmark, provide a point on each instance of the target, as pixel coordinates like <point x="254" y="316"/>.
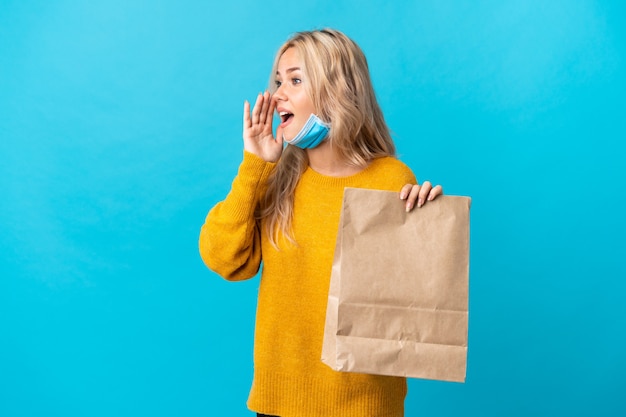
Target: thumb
<point x="279" y="136"/>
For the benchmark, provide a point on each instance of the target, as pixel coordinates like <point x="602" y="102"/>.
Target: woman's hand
<point x="257" y="129"/>
<point x="413" y="193"/>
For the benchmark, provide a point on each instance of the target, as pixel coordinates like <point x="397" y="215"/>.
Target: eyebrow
<point x="292" y="69"/>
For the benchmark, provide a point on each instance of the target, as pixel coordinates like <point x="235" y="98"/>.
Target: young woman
<point x="283" y="210"/>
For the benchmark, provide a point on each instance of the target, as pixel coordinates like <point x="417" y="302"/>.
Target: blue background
<point x="120" y="126"/>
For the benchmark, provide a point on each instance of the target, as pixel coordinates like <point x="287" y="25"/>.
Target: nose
<point x="279" y="94"/>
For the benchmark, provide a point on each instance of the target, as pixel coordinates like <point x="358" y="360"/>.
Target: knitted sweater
<point x="290" y="379"/>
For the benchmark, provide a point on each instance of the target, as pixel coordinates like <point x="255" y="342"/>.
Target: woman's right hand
<point x="257" y="129"/>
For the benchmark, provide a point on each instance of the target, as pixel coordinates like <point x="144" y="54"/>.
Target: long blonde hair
<point x="339" y="85"/>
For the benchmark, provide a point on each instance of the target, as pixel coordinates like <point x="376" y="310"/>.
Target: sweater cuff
<point x="249" y="185"/>
<point x="254" y="169"/>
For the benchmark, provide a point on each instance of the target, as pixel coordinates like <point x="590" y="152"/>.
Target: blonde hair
<point x="339" y="85"/>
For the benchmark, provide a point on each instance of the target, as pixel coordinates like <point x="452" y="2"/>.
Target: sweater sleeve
<point x="230" y="239"/>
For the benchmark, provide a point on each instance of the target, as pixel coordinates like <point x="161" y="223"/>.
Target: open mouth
<point x="285" y="116"/>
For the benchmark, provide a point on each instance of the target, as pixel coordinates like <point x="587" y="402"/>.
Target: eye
<point x="277" y="83"/>
<point x="296" y="81"/>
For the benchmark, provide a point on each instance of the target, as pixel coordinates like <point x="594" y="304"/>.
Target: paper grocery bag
<point x="399" y="287"/>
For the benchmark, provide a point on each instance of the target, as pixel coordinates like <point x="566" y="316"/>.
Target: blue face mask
<point x="312" y="133"/>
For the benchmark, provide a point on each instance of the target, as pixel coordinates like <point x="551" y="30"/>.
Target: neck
<point x="325" y="160"/>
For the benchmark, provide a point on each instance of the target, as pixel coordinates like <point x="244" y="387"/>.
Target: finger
<point x="257" y="109"/>
<point x="269" y="117"/>
<point x="413" y="194"/>
<point x="423" y="194"/>
<point x="264" y="106"/>
<point x="404" y="192"/>
<point x="246" y="115"/>
<point x="437" y="190"/>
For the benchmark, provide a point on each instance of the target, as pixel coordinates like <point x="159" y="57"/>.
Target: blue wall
<point x="120" y="127"/>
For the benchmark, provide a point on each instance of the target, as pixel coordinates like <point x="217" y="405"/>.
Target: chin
<point x="289" y="135"/>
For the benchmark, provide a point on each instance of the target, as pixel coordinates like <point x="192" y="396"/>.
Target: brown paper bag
<point x="398" y="299"/>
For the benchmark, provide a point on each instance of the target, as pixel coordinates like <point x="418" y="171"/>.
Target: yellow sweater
<point x="290" y="379"/>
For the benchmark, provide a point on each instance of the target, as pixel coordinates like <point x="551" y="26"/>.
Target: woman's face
<point x="293" y="104"/>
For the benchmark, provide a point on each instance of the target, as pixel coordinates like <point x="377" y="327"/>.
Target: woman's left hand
<point x="418" y="195"/>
